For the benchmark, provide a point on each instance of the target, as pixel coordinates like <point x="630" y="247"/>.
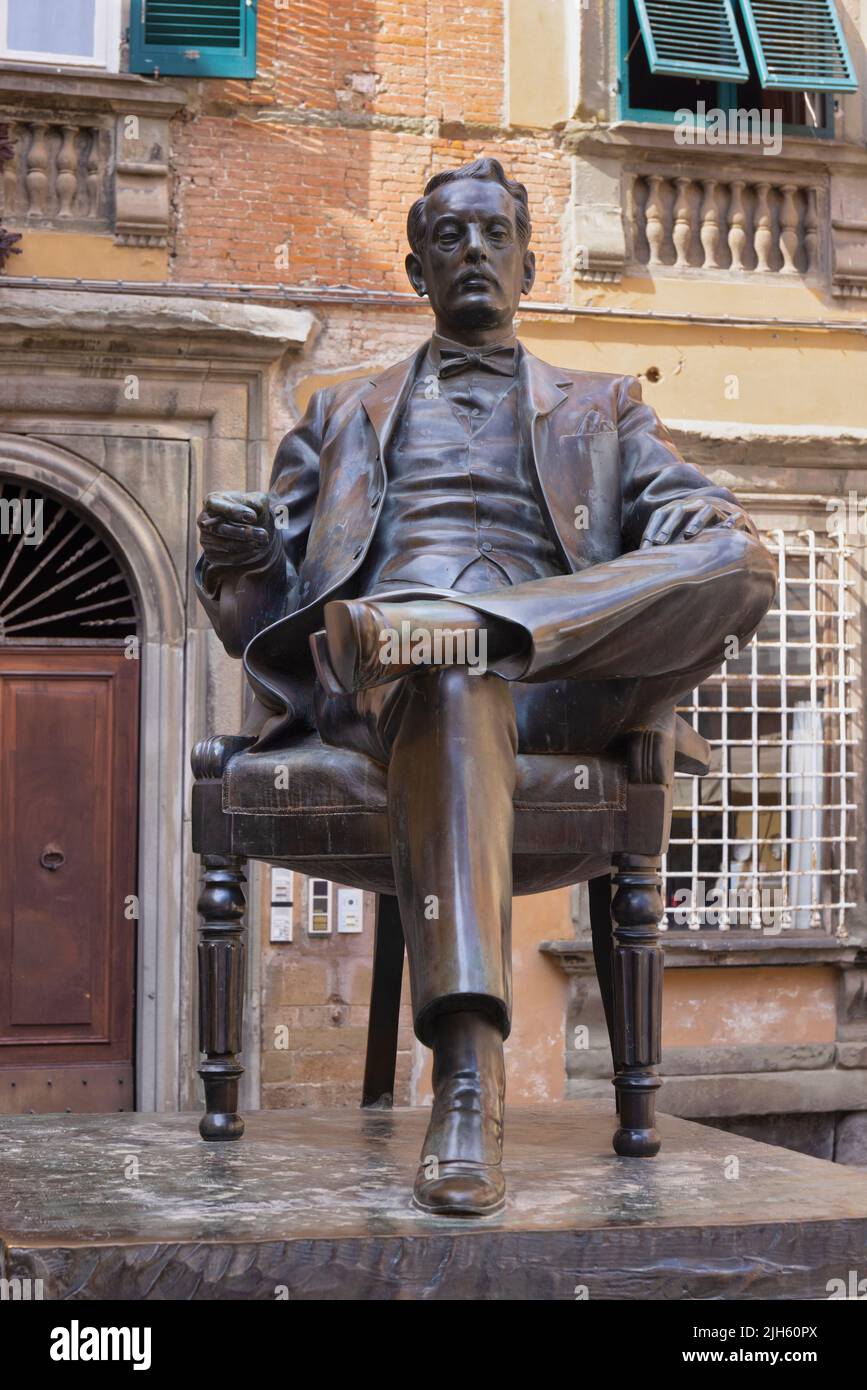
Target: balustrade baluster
<point x="10" y="174"/>
<point x="36" y="177"/>
<point x="683" y="228"/>
<point x="789" y="222"/>
<point x="710" y="229"/>
<point x="811" y="231"/>
<point x="737" y="236"/>
<point x="92" y="174"/>
<point x="654" y="219"/>
<point x="67" y="171"/>
<point x="763" y="236"/>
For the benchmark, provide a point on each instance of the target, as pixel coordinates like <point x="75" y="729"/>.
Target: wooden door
<point x="68" y="910"/>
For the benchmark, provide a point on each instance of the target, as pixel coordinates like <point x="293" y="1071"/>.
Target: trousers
<point x="590" y="656"/>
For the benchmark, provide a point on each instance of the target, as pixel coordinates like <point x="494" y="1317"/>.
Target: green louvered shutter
<point x="692" y="38"/>
<point x="799" y="45"/>
<point x="193" y="38"/>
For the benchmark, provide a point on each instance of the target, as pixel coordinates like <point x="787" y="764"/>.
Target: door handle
<point x="52" y="858"/>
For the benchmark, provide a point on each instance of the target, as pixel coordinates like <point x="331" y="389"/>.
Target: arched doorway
<point x="69" y="712"/>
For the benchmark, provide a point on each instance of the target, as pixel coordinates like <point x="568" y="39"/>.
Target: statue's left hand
<point x="689" y="516"/>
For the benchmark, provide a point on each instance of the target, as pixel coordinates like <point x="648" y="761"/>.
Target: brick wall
<point x="355" y="106"/>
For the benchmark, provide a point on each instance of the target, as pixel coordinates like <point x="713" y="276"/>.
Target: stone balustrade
<point x="57" y="174"/>
<point x="744" y="224"/>
<point x="641" y="204"/>
<point x="90" y="154"/>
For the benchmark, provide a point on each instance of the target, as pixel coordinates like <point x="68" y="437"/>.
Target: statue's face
<point x="473" y="266"/>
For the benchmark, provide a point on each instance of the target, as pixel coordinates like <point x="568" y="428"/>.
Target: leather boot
<point x="370" y="643"/>
<point x="460" y="1172"/>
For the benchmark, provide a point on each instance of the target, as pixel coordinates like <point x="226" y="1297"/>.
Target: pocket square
<point x="594" y="421"/>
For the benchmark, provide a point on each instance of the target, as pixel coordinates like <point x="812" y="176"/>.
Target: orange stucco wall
<point x="735" y="1007"/>
<point x="535" y="1049"/>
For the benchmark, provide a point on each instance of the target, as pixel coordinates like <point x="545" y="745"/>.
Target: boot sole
<point x="458" y="1211"/>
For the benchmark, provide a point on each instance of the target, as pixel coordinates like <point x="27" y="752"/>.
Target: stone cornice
<point x="35" y="86"/>
<point x="697" y="950"/>
<point x="647" y="141"/>
<point x="193" y="326"/>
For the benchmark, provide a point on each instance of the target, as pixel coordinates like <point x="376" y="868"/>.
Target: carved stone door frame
<point x="98" y="393"/>
<point x="162" y="751"/>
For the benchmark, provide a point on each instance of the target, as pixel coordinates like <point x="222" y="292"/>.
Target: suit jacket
<point x="601" y="463"/>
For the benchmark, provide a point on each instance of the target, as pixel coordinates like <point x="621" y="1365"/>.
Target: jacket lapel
<point x="542" y="388"/>
<point x="385" y="396"/>
<point x="542" y="384"/>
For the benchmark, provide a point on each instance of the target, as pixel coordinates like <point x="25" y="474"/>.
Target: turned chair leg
<point x="637" y="909"/>
<point x="221" y="992"/>
<point x="381" y="1060"/>
<point x="602" y="932"/>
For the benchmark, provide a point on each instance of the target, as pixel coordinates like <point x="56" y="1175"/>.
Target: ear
<point x="529" y="272"/>
<point x="416" y="274"/>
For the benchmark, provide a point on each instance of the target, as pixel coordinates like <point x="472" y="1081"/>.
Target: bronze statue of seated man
<point x="473" y="554"/>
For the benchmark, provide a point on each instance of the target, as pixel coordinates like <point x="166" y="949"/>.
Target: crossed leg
<point x="575" y="660"/>
<point x="666" y="612"/>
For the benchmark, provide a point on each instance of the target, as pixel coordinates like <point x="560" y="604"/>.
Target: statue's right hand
<point x="236" y="528"/>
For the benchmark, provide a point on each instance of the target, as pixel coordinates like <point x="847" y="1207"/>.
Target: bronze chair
<point x="323" y="811"/>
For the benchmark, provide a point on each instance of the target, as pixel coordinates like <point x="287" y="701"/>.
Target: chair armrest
<point x="650" y="752"/>
<point x="211" y="756"/>
<point x="671" y="745"/>
<point x="691" y="751"/>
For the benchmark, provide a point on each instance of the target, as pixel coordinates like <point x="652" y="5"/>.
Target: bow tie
<point x="493" y="359"/>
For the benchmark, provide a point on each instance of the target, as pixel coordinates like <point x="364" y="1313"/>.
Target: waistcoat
<point x="460" y="511"/>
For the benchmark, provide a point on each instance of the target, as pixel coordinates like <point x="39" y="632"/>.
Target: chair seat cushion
<point x="313" y="800"/>
<point x="314" y="779"/>
<point x="324" y="812"/>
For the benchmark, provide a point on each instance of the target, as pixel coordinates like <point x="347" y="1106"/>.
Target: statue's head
<point x="470" y="239"/>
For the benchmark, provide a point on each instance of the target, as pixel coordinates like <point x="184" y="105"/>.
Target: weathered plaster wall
<point x="733" y="1007"/>
<point x="86" y="256"/>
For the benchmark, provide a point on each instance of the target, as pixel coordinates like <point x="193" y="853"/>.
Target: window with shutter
<point x="193" y="38"/>
<point x="799" y="45"/>
<point x="668" y="65"/>
<point x="692" y="38"/>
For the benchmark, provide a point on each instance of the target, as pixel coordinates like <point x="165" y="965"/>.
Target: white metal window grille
<point x="765" y="841"/>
